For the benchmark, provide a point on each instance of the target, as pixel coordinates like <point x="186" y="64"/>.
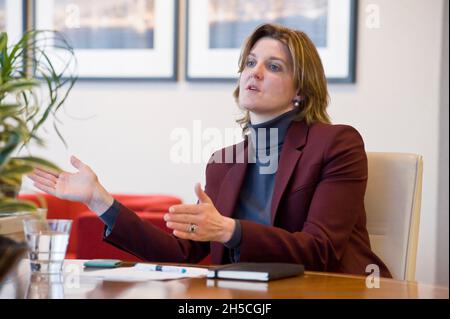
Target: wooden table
<point x="311" y="285"/>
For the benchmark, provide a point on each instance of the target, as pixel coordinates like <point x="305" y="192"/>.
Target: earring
<point x="296" y="103"/>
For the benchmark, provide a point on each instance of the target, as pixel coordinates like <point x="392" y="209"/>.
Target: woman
<point x="308" y="210"/>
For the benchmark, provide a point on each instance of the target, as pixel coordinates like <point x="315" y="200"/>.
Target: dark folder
<point x="256" y="271"/>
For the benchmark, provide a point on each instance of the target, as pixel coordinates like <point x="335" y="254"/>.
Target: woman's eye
<point x="250" y="63"/>
<point x="274" y="67"/>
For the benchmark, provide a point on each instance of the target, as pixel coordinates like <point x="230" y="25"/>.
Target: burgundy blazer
<point x="318" y="216"/>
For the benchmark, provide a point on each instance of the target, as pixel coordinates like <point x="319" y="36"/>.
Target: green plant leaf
<point x="7" y="110"/>
<point x="14" y="205"/>
<point x="17" y="171"/>
<point x="10" y="181"/>
<point x="38" y="162"/>
<point x="13" y="141"/>
<point x="18" y="85"/>
<point x="3" y="41"/>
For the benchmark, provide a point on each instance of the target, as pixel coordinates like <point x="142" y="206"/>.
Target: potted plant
<point x="33" y="87"/>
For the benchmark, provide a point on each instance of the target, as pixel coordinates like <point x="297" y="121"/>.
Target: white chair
<point x="392" y="201"/>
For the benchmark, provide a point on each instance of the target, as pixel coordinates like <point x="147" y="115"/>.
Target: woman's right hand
<point x="82" y="186"/>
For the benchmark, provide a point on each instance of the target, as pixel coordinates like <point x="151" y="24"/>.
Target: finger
<point x="76" y="162"/>
<point x="43" y="181"/>
<point x="201" y="195"/>
<point x="184" y="235"/>
<point x="178" y="226"/>
<point x="45" y="188"/>
<point x="181" y="218"/>
<point x="185" y="209"/>
<point x="44" y="175"/>
<point x="44" y="172"/>
<point x="32" y="176"/>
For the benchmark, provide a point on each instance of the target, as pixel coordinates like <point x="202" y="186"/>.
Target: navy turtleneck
<point x="255" y="198"/>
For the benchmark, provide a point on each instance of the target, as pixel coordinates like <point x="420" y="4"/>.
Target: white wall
<point x="443" y="184"/>
<point x="394" y="104"/>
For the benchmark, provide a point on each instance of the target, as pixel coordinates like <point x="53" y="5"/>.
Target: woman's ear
<point x="299" y="97"/>
<point x="297" y="100"/>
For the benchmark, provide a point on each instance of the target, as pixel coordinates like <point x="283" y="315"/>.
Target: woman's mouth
<point x="252" y="87"/>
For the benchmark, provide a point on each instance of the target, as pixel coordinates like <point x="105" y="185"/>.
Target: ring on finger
<point x="192" y="228"/>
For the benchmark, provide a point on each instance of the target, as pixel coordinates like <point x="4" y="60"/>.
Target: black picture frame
<point x="205" y="64"/>
<point x="153" y="64"/>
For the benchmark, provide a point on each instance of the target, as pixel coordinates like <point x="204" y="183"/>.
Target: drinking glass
<point x="47" y="243"/>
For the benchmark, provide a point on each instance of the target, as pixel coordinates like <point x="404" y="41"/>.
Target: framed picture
<point x="116" y="39"/>
<point x="217" y="29"/>
<point x="12" y="19"/>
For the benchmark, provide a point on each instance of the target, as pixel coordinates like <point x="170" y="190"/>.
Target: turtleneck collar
<point x="267" y="130"/>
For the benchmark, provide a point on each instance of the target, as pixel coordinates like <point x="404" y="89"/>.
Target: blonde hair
<point x="309" y="76"/>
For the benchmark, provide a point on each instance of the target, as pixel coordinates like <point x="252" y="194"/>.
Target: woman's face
<point x="266" y="85"/>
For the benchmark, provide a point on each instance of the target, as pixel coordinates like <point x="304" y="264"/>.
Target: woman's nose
<point x="258" y="71"/>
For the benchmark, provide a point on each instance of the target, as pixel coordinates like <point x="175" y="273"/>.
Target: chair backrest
<point x="392" y="201"/>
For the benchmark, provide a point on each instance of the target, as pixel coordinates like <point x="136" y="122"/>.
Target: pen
<point x="160" y="268"/>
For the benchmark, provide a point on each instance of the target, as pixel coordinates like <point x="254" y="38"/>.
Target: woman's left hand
<point x="200" y="222"/>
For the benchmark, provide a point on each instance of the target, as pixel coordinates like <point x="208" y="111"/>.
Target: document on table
<point x="143" y="272"/>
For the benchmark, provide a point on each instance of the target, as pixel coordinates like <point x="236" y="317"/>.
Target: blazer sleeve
<point x="149" y="242"/>
<point x="335" y="207"/>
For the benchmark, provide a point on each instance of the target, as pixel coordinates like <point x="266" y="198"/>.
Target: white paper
<point x="131" y="274"/>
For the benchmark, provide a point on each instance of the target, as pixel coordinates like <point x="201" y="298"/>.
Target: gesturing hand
<point x="82" y="186"/>
<point x="200" y="222"/>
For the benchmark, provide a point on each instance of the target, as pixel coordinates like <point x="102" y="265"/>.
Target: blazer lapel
<point x="231" y="185"/>
<point x="290" y="154"/>
<point x="229" y="194"/>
